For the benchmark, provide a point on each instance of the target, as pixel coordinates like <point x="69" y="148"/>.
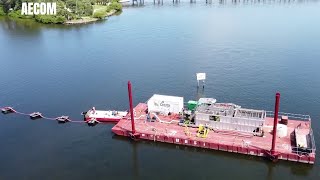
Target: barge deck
<point x="230" y="141"/>
<point x="296" y="144"/>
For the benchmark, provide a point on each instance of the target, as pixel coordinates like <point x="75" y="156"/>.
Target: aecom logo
<point x="30" y="8"/>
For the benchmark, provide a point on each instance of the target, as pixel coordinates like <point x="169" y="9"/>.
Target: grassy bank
<point x="68" y="11"/>
<point x="102" y="11"/>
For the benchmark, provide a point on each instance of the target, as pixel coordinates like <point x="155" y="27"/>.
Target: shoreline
<point x="85" y="20"/>
<point x="100" y="12"/>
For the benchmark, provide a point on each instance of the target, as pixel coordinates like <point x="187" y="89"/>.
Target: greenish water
<point x="248" y="50"/>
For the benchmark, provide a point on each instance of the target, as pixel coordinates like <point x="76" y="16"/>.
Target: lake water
<point x="248" y="50"/>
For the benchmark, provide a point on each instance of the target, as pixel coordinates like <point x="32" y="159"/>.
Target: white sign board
<point x="201" y="76"/>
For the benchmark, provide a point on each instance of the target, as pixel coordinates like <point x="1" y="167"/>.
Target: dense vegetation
<point x="2" y="13"/>
<point x="66" y="9"/>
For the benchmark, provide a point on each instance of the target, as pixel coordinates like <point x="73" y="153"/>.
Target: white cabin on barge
<point x="228" y="116"/>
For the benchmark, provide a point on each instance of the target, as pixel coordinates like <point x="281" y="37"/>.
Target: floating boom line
<point x="38" y="115"/>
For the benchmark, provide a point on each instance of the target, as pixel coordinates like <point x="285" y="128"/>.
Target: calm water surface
<point x="249" y="51"/>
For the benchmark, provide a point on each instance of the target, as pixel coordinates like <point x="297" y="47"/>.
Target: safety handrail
<point x="290" y="116"/>
<point x="313" y="143"/>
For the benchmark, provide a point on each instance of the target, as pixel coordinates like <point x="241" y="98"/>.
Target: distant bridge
<point x="141" y="2"/>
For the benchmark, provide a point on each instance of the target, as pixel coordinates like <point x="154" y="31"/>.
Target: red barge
<point x="221" y="126"/>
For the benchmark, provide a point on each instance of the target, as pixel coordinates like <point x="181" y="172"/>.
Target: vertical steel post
<point x="131" y="108"/>
<point x="275" y="123"/>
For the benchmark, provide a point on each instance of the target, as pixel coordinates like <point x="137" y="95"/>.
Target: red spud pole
<point x="275" y="123"/>
<point x="131" y="108"/>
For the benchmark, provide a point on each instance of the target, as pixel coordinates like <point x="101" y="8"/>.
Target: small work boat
<point x="104" y="116"/>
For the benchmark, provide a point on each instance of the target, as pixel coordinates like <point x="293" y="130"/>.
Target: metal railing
<point x="290" y="116"/>
<point x="313" y="143"/>
<point x="305" y="151"/>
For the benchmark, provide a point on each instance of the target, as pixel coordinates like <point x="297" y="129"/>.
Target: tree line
<point x="66" y="9"/>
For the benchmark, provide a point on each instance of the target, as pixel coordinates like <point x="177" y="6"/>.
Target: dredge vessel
<point x="220" y="126"/>
<point x="205" y="123"/>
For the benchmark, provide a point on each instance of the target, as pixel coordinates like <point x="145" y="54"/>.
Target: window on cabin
<point x="214" y="118"/>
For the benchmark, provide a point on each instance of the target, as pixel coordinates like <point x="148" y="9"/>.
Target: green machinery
<point x="192" y="105"/>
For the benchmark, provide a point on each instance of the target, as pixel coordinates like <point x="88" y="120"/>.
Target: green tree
<point x="2" y="13"/>
<point x="80" y="7"/>
<point x="99" y="15"/>
<point x="115" y="6"/>
<point x="61" y="16"/>
<point x="50" y="19"/>
<point x="7" y="4"/>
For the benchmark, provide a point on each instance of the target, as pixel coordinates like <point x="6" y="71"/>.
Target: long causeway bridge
<point x="141" y="2"/>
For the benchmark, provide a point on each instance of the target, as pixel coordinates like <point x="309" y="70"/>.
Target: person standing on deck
<point x="148" y="117"/>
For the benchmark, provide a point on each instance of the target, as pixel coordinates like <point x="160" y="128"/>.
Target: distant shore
<point x="68" y="13"/>
<point x="85" y="20"/>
